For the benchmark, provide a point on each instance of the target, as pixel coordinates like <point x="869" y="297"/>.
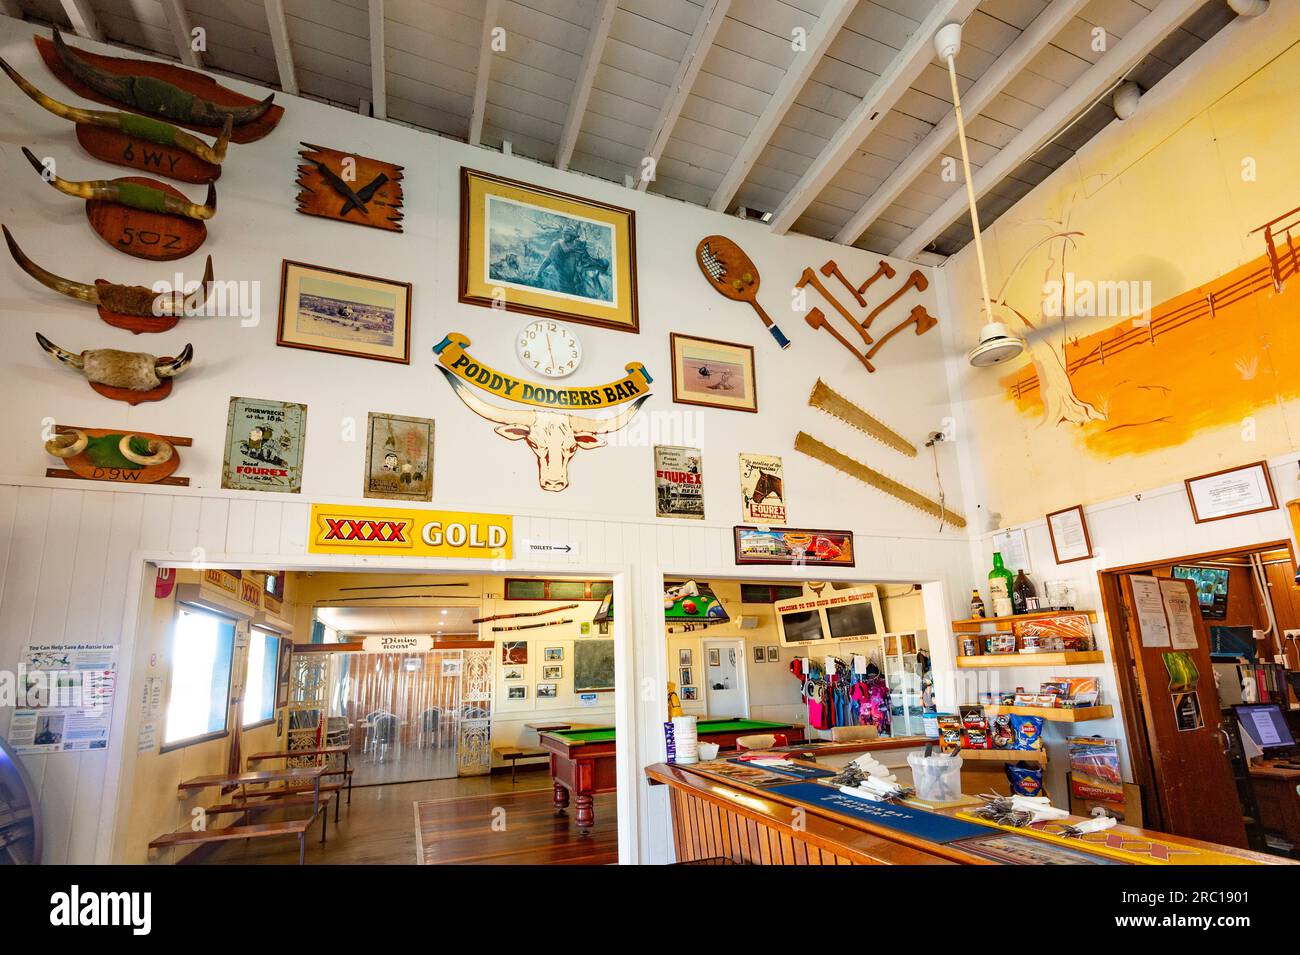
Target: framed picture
<point x="684" y="658"/>
<point x="1231" y="493"/>
<point x="344" y="313"/>
<point x="552" y="672"/>
<point x="513" y="674"/>
<point x="553" y="653"/>
<point x="793" y="546"/>
<point x="773" y="655"/>
<point x="542" y="252"/>
<point x="282" y="670"/>
<point x="715" y="657"/>
<point x="264" y="445"/>
<point x="759" y="655"/>
<point x="516" y="693"/>
<point x="514" y="651"/>
<point x="546" y="691"/>
<point x="712" y="373"/>
<point x="1069" y="532"/>
<point x="689" y="694"/>
<point x="399" y="458"/>
<point x="685" y="676"/>
<point x="762" y="489"/>
<point x="679" y="482"/>
<point x="451" y="668"/>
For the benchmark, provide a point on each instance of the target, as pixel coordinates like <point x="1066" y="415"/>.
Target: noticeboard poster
<point x="65" y="697"/>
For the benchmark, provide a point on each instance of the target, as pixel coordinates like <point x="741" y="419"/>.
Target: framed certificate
<point x="1069" y="532"/>
<point x="1231" y="493"/>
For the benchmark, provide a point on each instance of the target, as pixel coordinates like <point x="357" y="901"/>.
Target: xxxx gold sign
<point x="407" y="532"/>
<point x="451" y="352"/>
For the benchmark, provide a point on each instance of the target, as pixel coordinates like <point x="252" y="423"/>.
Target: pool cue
<point x="532" y="626"/>
<point x="533" y="613"/>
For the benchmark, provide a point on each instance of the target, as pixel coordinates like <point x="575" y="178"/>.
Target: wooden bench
<point x="256" y="830"/>
<point x="331" y="788"/>
<point x="277" y="799"/>
<point x="513" y="754"/>
<point x="345" y="772"/>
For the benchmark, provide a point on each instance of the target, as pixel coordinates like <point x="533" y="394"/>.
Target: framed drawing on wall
<point x="1068" y="529"/>
<point x="712" y="373"/>
<point x="344" y="313"/>
<point x="399" y="458"/>
<point x="1231" y="493"/>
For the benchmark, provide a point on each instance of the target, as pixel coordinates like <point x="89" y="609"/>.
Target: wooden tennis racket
<point x="733" y="273"/>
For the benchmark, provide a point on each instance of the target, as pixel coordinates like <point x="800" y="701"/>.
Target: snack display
<point x="975" y="728"/>
<point x="1025" y="780"/>
<point x="1001" y="735"/>
<point x="1065" y="631"/>
<point x="1028" y="732"/>
<point x="950" y="732"/>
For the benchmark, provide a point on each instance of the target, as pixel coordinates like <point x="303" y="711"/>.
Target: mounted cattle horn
<point x="156" y="96"/>
<point x="132" y="194"/>
<point x="134" y="300"/>
<point x="160" y="451"/>
<point x="130" y="370"/>
<point x="141" y="127"/>
<point x="68" y="444"/>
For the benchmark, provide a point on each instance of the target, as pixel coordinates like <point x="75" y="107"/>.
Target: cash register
<point x="1264" y="724"/>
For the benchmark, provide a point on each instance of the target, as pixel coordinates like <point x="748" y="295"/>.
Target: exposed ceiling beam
<point x="1016" y="57"/>
<point x="490" y="10"/>
<point x="706" y="28"/>
<point x="596" y="38"/>
<point x="178" y="24"/>
<point x="280" y="44"/>
<point x="819" y="39"/>
<point x="901" y="73"/>
<point x="1078" y="96"/>
<point x="10" y="8"/>
<point x="82" y="17"/>
<point x="378" y="66"/>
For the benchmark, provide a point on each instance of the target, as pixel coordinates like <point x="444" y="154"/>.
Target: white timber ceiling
<point x="831" y="118"/>
<point x="382" y="620"/>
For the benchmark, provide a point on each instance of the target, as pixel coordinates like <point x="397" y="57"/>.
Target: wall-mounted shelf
<point x="973" y="624"/>
<point x="1056" y="714"/>
<point x="1004" y="755"/>
<point x="1063" y="659"/>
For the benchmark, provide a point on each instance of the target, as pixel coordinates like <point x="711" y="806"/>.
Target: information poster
<point x="1150" y="610"/>
<point x="65" y="699"/>
<point x="1179" y="608"/>
<point x="150" y="715"/>
<point x="679" y="482"/>
<point x="762" y="489"/>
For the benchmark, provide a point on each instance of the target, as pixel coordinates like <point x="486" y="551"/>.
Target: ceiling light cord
<point x="970" y="189"/>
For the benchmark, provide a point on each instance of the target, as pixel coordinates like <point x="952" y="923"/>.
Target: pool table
<point x="582" y="760"/>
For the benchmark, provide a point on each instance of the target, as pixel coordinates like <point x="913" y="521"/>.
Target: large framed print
<point x="533" y="250"/>
<point x="1231" y="492"/>
<point x="1068" y="530"/>
<point x="264" y="445"/>
<point x="713" y="374"/>
<point x="399" y="458"/>
<point x="344" y="313"/>
<point x="793" y="546"/>
<point x="679" y="482"/>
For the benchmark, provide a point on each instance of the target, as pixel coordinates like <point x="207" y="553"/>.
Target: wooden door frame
<point x="1122" y="663"/>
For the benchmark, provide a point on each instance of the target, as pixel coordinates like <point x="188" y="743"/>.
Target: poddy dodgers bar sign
<point x="408" y="532"/>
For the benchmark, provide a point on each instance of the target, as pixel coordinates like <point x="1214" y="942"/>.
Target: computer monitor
<point x="1265" y="724"/>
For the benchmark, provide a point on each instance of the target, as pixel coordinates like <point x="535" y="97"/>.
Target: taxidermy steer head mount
<point x="129" y="376"/>
<point x="553" y="436"/>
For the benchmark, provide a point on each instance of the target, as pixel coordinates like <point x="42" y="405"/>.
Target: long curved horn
<point x="145" y="198"/>
<point x="60" y="354"/>
<point x="79" y="290"/>
<point x="481" y="408"/>
<point x="171" y="367"/>
<point x="607" y="425"/>
<point x="67" y="444"/>
<point x="160" y="451"/>
<point x="194" y="302"/>
<point x="154" y="95"/>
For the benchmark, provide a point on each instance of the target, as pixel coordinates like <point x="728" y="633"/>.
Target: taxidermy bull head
<point x="553" y="436"/>
<point x="141" y="127"/>
<point x="155" y="96"/>
<point x="119" y="299"/>
<point x="132" y="370"/>
<point x="131" y="194"/>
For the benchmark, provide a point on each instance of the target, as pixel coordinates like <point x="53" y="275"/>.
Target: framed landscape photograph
<point x="552" y="671"/>
<point x="542" y="252"/>
<point x="344" y="313"/>
<point x="399" y="458"/>
<point x="713" y="374"/>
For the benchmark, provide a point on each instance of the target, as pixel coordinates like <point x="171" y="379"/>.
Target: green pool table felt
<point x="604" y="734"/>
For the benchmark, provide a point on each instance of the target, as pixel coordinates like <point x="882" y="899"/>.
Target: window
<point x="768" y="593"/>
<point x="259" y="684"/>
<point x="518" y="588"/>
<point x="202" y="647"/>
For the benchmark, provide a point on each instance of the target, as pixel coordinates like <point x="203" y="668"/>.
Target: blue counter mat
<point x="915" y="822"/>
<point x="798" y="772"/>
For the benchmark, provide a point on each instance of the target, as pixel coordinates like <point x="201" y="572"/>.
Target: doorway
<point x="725" y="689"/>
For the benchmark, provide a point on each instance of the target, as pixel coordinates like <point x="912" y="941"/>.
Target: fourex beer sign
<point x="407" y="532"/>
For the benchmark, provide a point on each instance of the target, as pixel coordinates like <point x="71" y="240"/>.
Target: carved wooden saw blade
<point x="827" y="399"/>
<point x="873" y="478"/>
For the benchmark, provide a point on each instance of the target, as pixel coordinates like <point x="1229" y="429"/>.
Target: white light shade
<point x="1125" y="100"/>
<point x="947" y="40"/>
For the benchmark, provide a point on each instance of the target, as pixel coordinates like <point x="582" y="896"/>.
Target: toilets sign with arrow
<point x="545" y="548"/>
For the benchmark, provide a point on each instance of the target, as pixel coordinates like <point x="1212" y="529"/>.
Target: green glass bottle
<point x="1000" y="587"/>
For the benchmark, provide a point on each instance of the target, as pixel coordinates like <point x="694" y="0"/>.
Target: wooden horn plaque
<point x="116" y="147"/>
<point x="130" y="395"/>
<point x="85" y="467"/>
<point x="161" y="236"/>
<point x="135" y="323"/>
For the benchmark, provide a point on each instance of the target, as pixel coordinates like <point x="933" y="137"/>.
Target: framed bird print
<point x="533" y="250"/>
<point x="344" y="313"/>
<point x="350" y="188"/>
<point x="399" y="458"/>
<point x="713" y="374"/>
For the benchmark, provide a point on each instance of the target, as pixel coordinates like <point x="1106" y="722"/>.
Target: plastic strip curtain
<point x="401" y="712"/>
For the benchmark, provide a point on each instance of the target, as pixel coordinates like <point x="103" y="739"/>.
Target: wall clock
<point x="350" y="188"/>
<point x="549" y="348"/>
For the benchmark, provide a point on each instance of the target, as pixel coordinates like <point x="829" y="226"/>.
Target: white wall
<point x="68" y="550"/>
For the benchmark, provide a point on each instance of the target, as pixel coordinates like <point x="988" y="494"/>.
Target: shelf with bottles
<point x="975" y="624"/>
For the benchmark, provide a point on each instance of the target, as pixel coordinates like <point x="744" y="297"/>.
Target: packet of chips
<point x="1001" y="733"/>
<point x="949" y="732"/>
<point x="1028" y="732"/>
<point x="1025" y="780"/>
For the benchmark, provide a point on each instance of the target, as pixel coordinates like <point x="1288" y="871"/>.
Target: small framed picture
<point x="546" y="691"/>
<point x="689" y="694"/>
<point x="513" y="673"/>
<point x="683" y="658"/>
<point x="552" y="672"/>
<point x="1231" y="493"/>
<point x="773" y="655"/>
<point x="553" y="653"/>
<point x="514" y="651"/>
<point x="399" y="458"/>
<point x="451" y="668"/>
<point x="516" y="693"/>
<point x="344" y="313"/>
<point x="715" y="657"/>
<point x="1068" y="529"/>
<point x="712" y="373"/>
<point x="685" y="676"/>
<point x="759" y="655"/>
